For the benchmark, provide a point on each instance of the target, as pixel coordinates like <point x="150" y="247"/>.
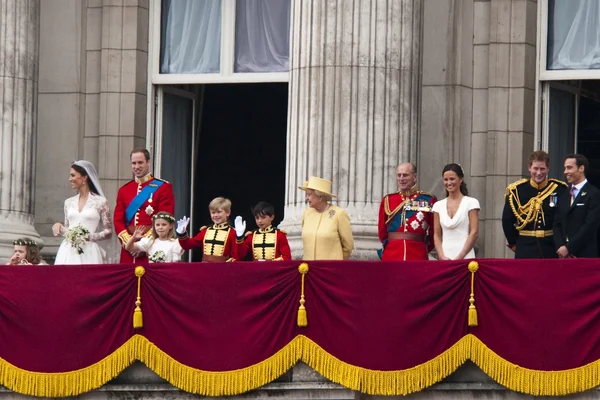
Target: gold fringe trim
<point x="227" y="383"/>
<point x="374" y="382"/>
<point x="72" y="383"/>
<point x="533" y="382"/>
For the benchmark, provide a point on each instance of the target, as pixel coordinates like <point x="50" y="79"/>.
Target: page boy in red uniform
<point x="217" y="241"/>
<point x="265" y="243"/>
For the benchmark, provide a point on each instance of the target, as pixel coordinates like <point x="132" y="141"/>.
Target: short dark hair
<point x="539" y="155"/>
<point x="142" y="150"/>
<point x="580" y="160"/>
<point x="263" y="208"/>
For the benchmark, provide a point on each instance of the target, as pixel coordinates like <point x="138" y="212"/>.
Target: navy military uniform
<point x="528" y="216"/>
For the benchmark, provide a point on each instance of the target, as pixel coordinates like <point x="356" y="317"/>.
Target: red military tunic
<point x="161" y="200"/>
<point x="268" y="244"/>
<point x="218" y="243"/>
<point x="406" y="225"/>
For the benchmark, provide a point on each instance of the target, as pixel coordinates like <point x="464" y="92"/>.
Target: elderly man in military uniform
<point x="405" y="219"/>
<point x="529" y="209"/>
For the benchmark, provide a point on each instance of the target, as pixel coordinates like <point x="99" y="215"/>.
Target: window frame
<point x="546" y="74"/>
<point x="226" y="73"/>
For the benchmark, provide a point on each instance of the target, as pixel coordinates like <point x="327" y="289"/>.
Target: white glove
<point x="182" y="225"/>
<point x="240" y="226"/>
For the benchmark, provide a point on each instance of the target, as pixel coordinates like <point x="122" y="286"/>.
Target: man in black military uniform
<point x="529" y="208"/>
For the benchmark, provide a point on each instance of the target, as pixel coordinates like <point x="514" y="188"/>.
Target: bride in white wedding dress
<point x="456" y="218"/>
<point x="89" y="210"/>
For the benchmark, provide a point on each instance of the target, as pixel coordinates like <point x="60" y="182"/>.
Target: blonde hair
<point x="165" y="216"/>
<point x="220" y="203"/>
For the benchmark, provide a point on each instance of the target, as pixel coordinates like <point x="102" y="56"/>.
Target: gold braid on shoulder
<point x="528" y="212"/>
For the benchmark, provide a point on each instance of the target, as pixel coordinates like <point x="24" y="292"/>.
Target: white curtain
<point x="262" y="35"/>
<point x="574" y="34"/>
<point x="191" y="36"/>
<point x="178" y="115"/>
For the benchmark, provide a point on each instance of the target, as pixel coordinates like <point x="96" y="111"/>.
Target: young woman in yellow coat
<point x="326" y="231"/>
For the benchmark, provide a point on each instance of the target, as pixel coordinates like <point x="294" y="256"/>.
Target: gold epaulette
<point x="282" y="231"/>
<point x="248" y="233"/>
<point x="202" y="228"/>
<point x="558" y="182"/>
<point x="514" y="185"/>
<point x="162" y="180"/>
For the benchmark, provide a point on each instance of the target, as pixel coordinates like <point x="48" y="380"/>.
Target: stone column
<point x="353" y="107"/>
<point x="19" y="20"/>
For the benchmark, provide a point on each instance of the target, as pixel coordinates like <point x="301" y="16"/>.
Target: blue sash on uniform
<point x="140" y="199"/>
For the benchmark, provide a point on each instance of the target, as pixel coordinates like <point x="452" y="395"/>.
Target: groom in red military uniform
<point x="138" y="200"/>
<point x="406" y="220"/>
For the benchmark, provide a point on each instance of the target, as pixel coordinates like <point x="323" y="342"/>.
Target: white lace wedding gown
<point x="455" y="230"/>
<point x="95" y="217"/>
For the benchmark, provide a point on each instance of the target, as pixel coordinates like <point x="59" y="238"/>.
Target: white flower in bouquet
<point x="158" y="256"/>
<point x="77" y="237"/>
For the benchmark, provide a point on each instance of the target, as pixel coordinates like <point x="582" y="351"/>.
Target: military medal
<point x="553" y="200"/>
<point x="149" y="210"/>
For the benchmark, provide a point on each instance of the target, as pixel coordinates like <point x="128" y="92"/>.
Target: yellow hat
<point x="322" y="185"/>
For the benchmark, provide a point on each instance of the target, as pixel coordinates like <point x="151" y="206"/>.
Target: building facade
<point x="341" y="89"/>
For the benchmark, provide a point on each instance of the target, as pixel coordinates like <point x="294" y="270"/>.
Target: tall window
<point x="568" y="72"/>
<point x="191" y="36"/>
<point x="573" y="34"/>
<point x="224" y="40"/>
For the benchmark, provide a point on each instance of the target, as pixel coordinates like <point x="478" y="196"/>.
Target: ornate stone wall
<point x="353" y="107"/>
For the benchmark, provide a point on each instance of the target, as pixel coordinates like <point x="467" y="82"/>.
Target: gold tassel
<point x="302" y="317"/>
<point x="138" y="320"/>
<point x="473" y="267"/>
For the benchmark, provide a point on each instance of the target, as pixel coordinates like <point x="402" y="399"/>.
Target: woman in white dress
<point x="88" y="210"/>
<point x="456" y="218"/>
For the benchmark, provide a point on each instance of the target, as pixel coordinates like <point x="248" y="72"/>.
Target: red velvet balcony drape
<point x="378" y="327"/>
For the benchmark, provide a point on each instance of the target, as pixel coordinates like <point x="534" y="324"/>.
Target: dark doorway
<point x="242" y="150"/>
<point x="588" y="136"/>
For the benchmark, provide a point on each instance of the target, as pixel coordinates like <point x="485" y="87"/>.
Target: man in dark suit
<point x="576" y="224"/>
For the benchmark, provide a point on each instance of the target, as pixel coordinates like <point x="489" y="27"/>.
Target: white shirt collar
<point x="580" y="185"/>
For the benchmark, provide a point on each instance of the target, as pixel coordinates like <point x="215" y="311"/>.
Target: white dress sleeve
<point x="176" y="250"/>
<point x="65" y="227"/>
<point x="473" y="204"/>
<point x="104" y="211"/>
<point x="436" y="206"/>
<point x="143" y="244"/>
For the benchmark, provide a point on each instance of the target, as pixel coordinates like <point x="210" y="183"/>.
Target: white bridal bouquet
<point x="76" y="237"/>
<point x="158" y="256"/>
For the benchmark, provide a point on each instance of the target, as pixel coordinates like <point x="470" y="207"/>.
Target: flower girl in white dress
<point x="87" y="223"/>
<point x="456" y="218"/>
<point x="163" y="245"/>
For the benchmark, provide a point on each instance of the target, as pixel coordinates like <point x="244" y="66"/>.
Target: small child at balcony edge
<point x="265" y="243"/>
<point x="217" y="241"/>
<point x="160" y="243"/>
